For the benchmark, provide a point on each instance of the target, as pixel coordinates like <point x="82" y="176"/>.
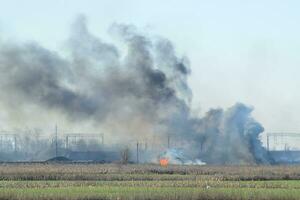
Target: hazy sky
<point x="240" y="51"/>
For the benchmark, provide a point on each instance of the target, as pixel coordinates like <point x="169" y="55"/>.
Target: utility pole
<point x="268" y="144"/>
<point x="168" y="140"/>
<point x="15" y="143"/>
<point x="67" y="143"/>
<point x="137" y="152"/>
<point x="55" y="140"/>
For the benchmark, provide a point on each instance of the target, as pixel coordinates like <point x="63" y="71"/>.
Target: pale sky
<point x="240" y="51"/>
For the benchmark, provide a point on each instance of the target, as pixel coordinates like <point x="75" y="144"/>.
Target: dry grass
<point x="146" y="193"/>
<point x="144" y="172"/>
<point x="147" y="182"/>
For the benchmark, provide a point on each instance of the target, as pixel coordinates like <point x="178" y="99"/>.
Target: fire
<point x="164" y="162"/>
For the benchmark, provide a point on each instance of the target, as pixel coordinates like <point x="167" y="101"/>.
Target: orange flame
<point x="164" y="162"/>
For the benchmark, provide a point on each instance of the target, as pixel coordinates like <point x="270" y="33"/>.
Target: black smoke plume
<point x="135" y="90"/>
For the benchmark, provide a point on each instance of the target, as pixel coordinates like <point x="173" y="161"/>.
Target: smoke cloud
<point x="135" y="90"/>
<point x="231" y="136"/>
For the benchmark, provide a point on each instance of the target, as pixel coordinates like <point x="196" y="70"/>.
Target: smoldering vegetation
<point x="136" y="88"/>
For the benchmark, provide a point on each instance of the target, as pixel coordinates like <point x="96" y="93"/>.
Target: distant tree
<point x="125" y="155"/>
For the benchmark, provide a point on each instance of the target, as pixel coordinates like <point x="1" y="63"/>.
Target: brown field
<point x="113" y="181"/>
<point x="144" y="172"/>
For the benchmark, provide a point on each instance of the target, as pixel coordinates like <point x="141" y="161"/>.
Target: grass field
<point x="96" y="181"/>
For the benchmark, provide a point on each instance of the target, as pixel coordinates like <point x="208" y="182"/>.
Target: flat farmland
<point x="113" y="181"/>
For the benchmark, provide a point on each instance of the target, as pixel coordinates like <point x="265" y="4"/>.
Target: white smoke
<point x="177" y="157"/>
